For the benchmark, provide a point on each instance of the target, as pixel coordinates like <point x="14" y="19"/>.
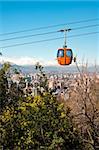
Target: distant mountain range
<point x="53" y="69"/>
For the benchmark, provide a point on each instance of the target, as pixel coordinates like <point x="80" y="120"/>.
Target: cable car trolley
<point x="64" y="55"/>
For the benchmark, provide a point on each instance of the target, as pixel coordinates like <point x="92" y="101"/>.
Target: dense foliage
<point x="35" y="123"/>
<point x="39" y="123"/>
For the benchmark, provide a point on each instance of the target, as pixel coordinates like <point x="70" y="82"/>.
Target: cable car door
<point x="61" y="56"/>
<point x="69" y="56"/>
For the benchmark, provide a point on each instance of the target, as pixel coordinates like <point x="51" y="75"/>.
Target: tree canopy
<point x="35" y="123"/>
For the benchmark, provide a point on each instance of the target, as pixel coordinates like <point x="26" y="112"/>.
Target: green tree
<point x="43" y="81"/>
<point x="3" y="86"/>
<point x="40" y="123"/>
<point x="37" y="123"/>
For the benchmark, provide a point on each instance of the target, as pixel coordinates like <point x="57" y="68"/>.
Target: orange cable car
<point x="64" y="55"/>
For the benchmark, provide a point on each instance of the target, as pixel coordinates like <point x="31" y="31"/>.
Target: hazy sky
<point x="24" y="15"/>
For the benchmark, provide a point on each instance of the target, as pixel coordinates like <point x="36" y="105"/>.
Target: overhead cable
<point x="46" y="33"/>
<point x="47" y="27"/>
<point x="45" y="40"/>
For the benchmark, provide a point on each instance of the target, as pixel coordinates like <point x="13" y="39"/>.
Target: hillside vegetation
<point x="44" y="122"/>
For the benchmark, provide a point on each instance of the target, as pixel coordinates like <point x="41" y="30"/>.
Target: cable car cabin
<point x="64" y="56"/>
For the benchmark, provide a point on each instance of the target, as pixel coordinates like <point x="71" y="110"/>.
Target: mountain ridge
<point x="53" y="69"/>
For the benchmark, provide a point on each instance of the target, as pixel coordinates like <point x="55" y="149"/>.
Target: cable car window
<point x="69" y="53"/>
<point x="60" y="53"/>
